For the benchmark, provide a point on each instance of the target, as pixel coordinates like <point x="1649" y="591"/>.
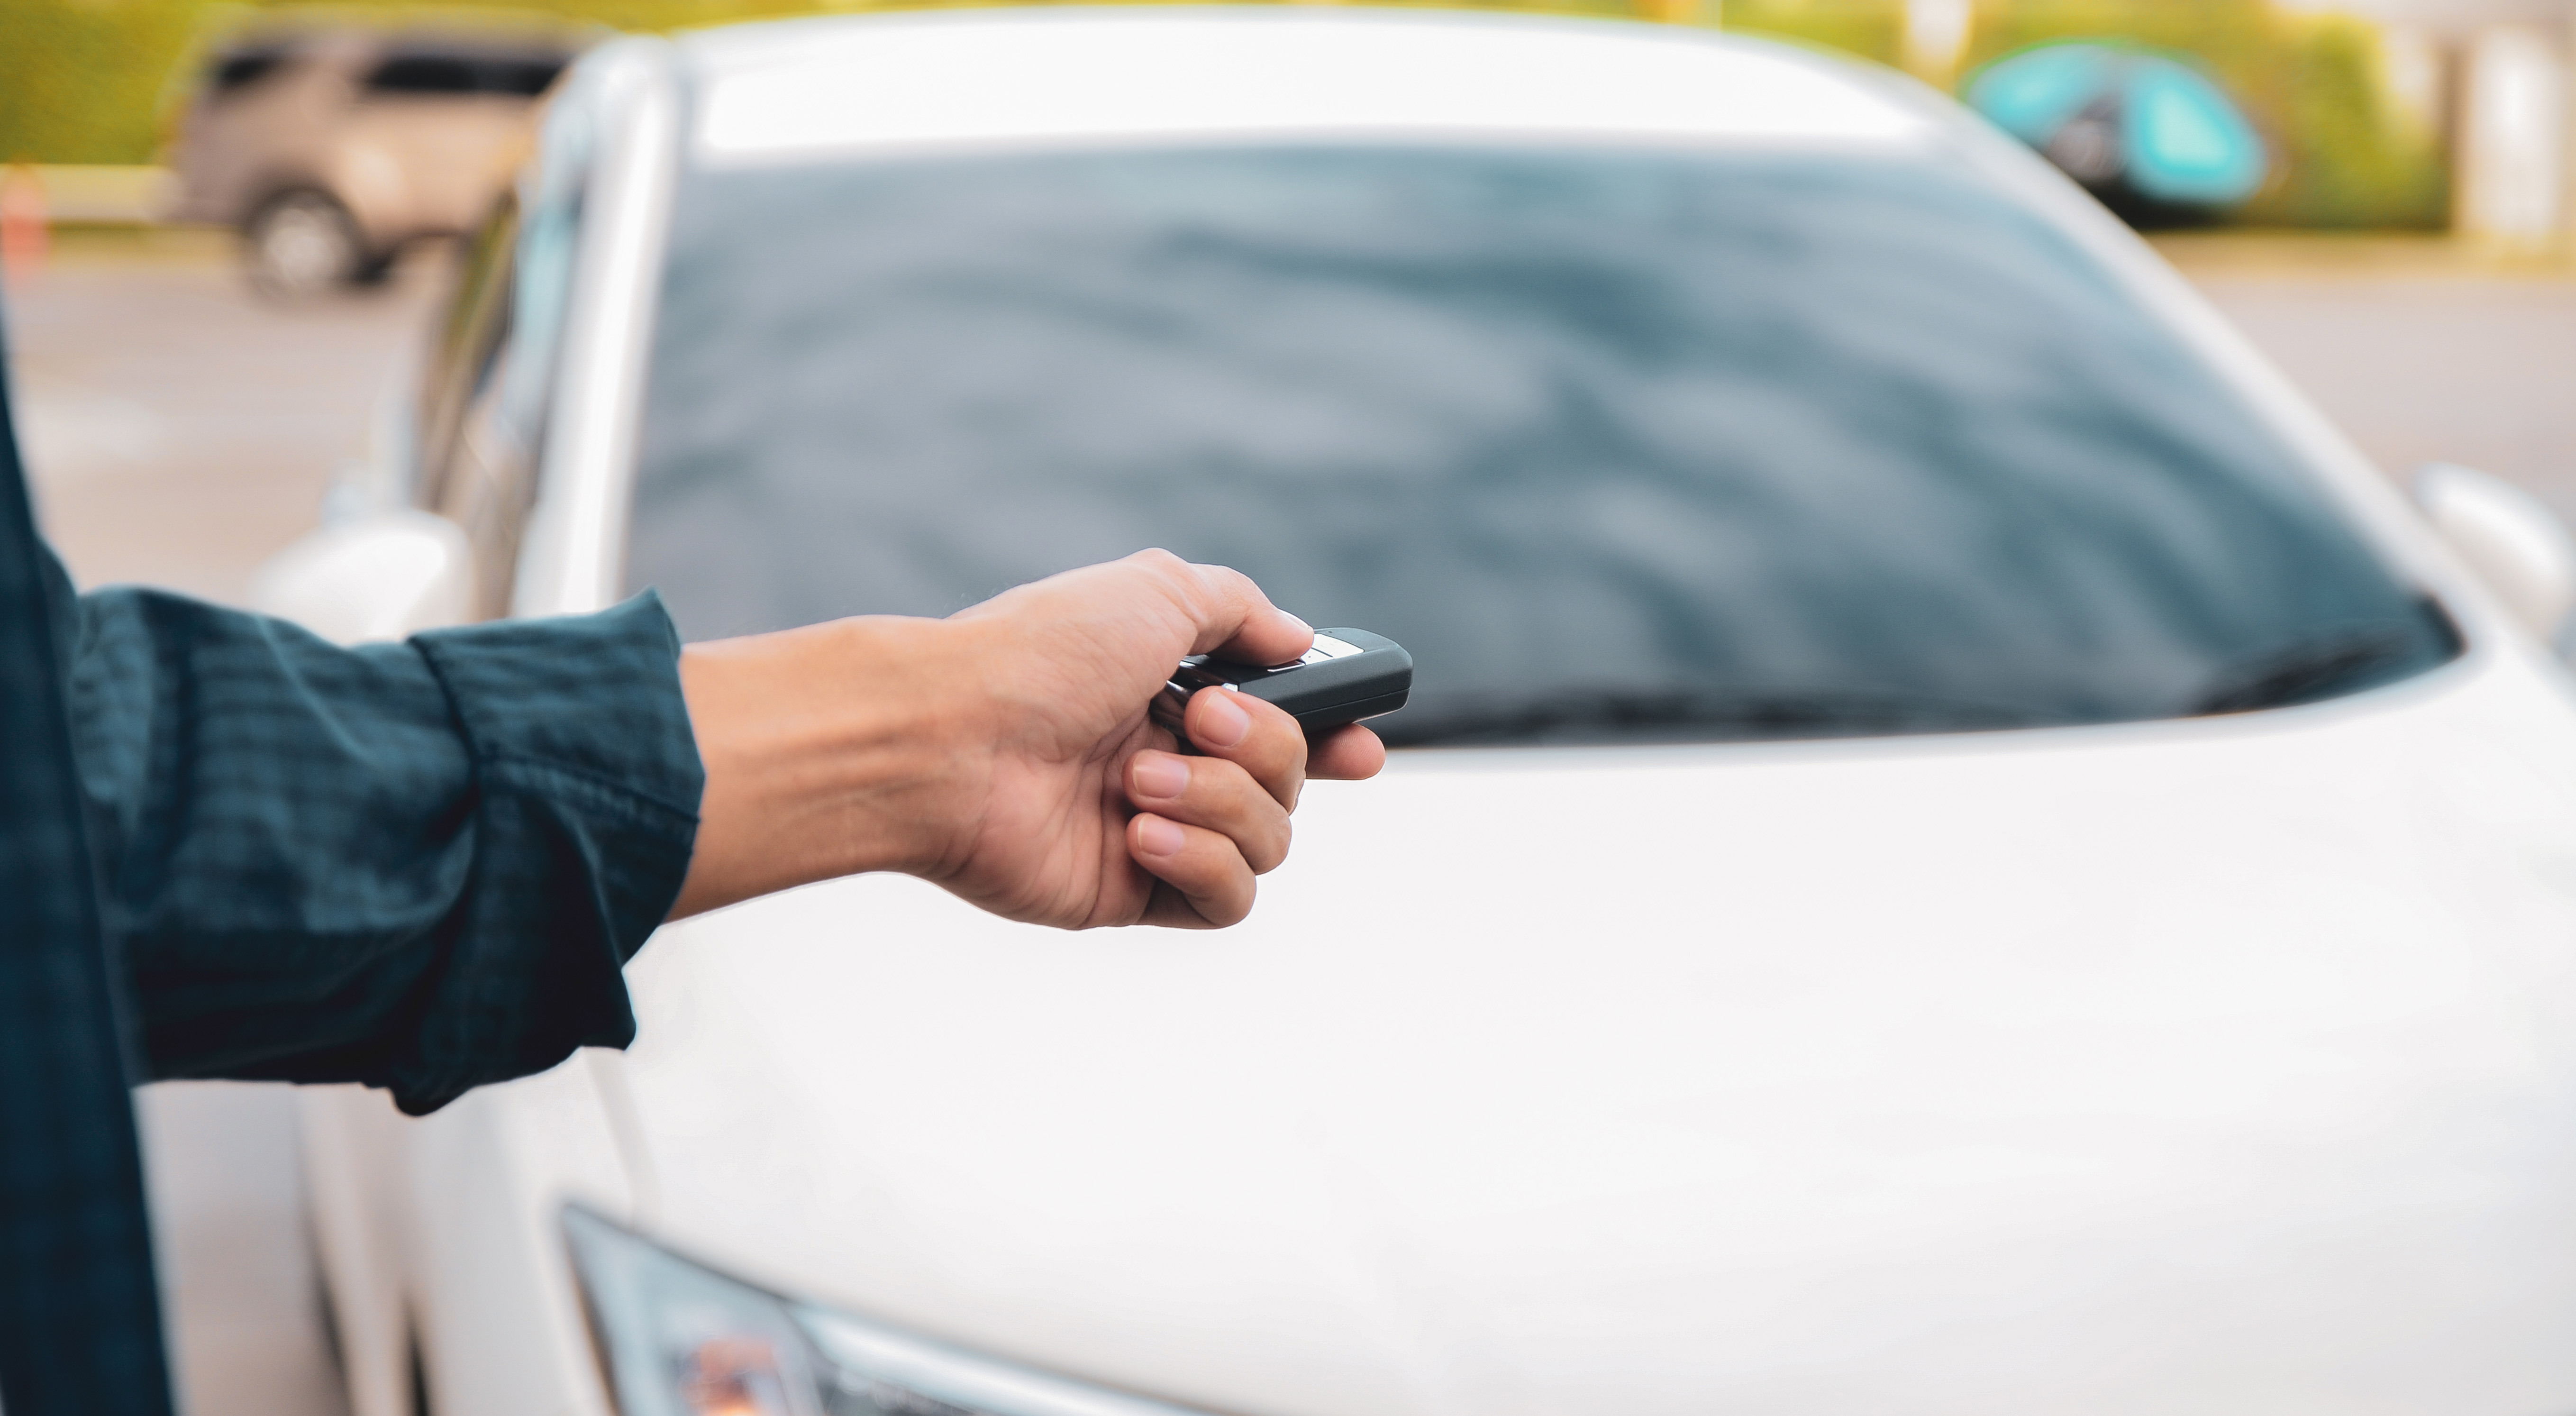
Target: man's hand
<point x="1006" y="754"/>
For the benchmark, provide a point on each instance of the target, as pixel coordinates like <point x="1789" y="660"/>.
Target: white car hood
<point x="2210" y="1067"/>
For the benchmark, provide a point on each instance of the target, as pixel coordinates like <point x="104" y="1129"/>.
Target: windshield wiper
<point x="2329" y="664"/>
<point x="1684" y="715"/>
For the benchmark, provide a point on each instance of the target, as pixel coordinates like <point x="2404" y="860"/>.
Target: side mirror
<point x="2516" y="545"/>
<point x="380" y="576"/>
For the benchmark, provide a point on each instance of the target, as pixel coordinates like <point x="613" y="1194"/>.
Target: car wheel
<point x="375" y="269"/>
<point x="300" y="244"/>
<point x="421" y="1402"/>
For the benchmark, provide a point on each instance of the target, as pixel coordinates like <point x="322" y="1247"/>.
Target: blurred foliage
<point x="2344" y="153"/>
<point x="97" y="80"/>
<point x="1872" y="29"/>
<point x="81" y="80"/>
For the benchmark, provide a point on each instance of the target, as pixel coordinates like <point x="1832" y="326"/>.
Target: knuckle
<point x="1172" y="577"/>
<point x="1263" y="797"/>
<point x="1270" y="851"/>
<point x="1229" y="907"/>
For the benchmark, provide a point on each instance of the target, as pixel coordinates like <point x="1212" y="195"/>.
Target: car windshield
<point x="1622" y="445"/>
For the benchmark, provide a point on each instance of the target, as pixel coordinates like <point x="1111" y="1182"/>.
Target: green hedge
<point x="94" y="81"/>
<point x="2343" y="155"/>
<point x="100" y="80"/>
<point x="81" y="80"/>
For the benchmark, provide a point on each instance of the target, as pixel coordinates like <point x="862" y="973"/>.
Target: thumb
<point x="1229" y="615"/>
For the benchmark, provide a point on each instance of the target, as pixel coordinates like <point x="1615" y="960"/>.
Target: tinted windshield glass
<point x="1618" y="444"/>
<point x="242" y="68"/>
<point x="463" y="72"/>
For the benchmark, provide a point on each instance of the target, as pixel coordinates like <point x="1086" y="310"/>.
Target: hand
<point x="1005" y="752"/>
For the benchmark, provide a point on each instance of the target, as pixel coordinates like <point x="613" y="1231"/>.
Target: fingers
<point x="1352" y="754"/>
<point x="1055" y="674"/>
<point x="1206" y="883"/>
<point x="1215" y="796"/>
<point x="1207" y="825"/>
<point x="1258" y="737"/>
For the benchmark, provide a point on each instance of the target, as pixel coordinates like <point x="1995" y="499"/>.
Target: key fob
<point x="1349" y="675"/>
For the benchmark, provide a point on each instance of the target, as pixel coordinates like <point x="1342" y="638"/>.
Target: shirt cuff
<point x="588" y="781"/>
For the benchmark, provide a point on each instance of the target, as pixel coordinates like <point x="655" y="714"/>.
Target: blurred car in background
<point x="1955" y="848"/>
<point x="329" y="148"/>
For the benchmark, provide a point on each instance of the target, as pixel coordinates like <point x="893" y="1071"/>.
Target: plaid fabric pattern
<point x="79" y="1327"/>
<point x="230" y="849"/>
<point x="421" y="866"/>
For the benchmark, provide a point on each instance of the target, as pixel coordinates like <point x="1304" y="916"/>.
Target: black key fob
<point x="1349" y="675"/>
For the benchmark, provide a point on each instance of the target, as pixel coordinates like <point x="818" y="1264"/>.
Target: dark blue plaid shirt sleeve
<point x="421" y="866"/>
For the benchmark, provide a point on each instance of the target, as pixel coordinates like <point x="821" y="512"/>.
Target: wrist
<point x="829" y="751"/>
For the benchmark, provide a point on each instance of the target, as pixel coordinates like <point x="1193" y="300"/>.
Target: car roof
<point x="805" y="90"/>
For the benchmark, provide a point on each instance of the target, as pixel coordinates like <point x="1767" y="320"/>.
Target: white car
<point x="1955" y="850"/>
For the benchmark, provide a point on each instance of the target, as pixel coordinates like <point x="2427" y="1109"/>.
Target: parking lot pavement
<point x="179" y="432"/>
<point x="2421" y="351"/>
<point x="237" y="1266"/>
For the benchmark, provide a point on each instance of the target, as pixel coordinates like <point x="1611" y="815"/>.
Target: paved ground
<point x="179" y="432"/>
<point x="2421" y="353"/>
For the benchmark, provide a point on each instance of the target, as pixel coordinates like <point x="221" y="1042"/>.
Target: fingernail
<point x="1301" y="624"/>
<point x="1223" y="722"/>
<point x="1158" y="837"/>
<point x="1160" y="776"/>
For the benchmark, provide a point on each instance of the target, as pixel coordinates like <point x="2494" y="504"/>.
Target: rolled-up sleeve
<point x="422" y="866"/>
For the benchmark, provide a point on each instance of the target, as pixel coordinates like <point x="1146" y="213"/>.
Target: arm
<point x="420" y="866"/>
<point x="423" y="865"/>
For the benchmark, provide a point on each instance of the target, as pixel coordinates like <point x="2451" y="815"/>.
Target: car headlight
<point x="677" y="1338"/>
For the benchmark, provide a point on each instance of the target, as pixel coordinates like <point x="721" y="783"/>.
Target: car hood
<point x="2215" y="1066"/>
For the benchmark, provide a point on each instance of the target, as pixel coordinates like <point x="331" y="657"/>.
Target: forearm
<point x="829" y="751"/>
<point x="417" y="865"/>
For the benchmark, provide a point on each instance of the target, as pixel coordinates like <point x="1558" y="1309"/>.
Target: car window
<point x="461" y="72"/>
<point x="241" y="68"/>
<point x="489" y="386"/>
<point x="467" y="343"/>
<point x="474" y="467"/>
<point x="1622" y="445"/>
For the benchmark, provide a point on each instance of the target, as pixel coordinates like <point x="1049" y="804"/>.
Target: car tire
<point x="376" y="269"/>
<point x="422" y="1403"/>
<point x="301" y="244"/>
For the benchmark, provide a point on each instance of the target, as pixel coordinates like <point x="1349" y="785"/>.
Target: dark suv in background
<point x="328" y="148"/>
